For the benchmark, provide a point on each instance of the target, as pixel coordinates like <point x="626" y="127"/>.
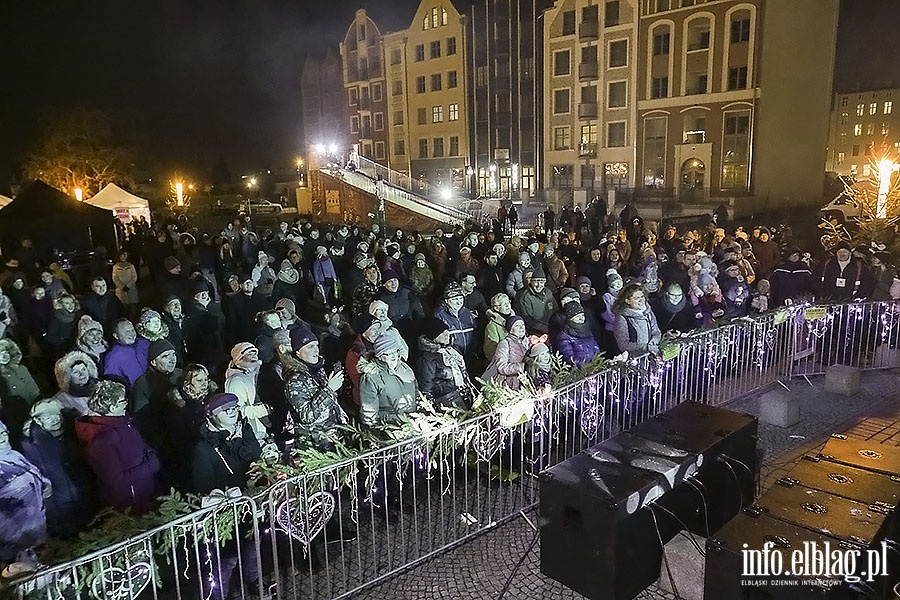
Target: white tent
<point x="125" y="205"/>
<point x="4" y="200"/>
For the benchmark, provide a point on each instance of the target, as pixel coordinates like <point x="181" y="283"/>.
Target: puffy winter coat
<point x="23" y="523"/>
<point x="577" y="344"/>
<point x="494" y="331"/>
<point x="126" y="361"/>
<point x="125" y="466"/>
<point x="461" y="326"/>
<point x="124" y="277"/>
<point x="508" y="362"/>
<point x="221" y="463"/>
<point x="384" y="396"/>
<point x="74" y="400"/>
<point x="441" y="372"/>
<point x="313" y="405"/>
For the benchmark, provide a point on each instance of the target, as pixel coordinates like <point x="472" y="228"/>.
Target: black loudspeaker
<point x="863" y="454"/>
<point x="726" y="562"/>
<point x="606" y="512"/>
<point x="725" y="442"/>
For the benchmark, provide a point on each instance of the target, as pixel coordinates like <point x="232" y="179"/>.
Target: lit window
<point x="857" y="129"/>
<point x="860" y="110"/>
<point x="840" y="158"/>
<point x="561" y="138"/>
<point x="873" y="108"/>
<point x="867" y="170"/>
<point x="888" y="107"/>
<point x="844" y="118"/>
<point x="453" y="112"/>
<point x="885" y="129"/>
<point x="870" y="129"/>
<point x="437" y="114"/>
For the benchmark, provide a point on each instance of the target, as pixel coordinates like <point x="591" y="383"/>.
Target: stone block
<point x="886" y="357"/>
<point x="780" y="408"/>
<point x="841" y="379"/>
<point x="687" y="566"/>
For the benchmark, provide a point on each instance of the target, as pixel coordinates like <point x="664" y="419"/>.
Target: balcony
<point x="587" y="149"/>
<point x="587" y="110"/>
<point x="588" y="71"/>
<point x="589" y="30"/>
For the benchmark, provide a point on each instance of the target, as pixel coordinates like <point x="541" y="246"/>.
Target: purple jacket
<point x="577" y="349"/>
<point x="128" y="362"/>
<point x="125" y="466"/>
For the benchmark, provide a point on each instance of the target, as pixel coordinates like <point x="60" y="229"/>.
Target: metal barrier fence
<point x="336" y="530"/>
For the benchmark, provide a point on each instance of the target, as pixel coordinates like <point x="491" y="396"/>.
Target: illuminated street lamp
<point x="885" y="168"/>
<point x="79" y="194"/>
<point x="179" y="193"/>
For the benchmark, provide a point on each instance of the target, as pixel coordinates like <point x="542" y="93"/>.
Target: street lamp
<point x="179" y="194"/>
<point x="79" y="194"/>
<point x="885" y="168"/>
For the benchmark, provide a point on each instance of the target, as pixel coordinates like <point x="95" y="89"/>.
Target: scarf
<point x="65" y="316"/>
<point x="577" y="330"/>
<point x="451" y="357"/>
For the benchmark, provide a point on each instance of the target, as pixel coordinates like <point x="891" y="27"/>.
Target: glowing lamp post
<point x="179" y="194"/>
<point x="79" y="194"/>
<point x="885" y="168"/>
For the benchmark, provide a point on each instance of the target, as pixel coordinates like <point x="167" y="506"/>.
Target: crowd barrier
<point x="337" y="529"/>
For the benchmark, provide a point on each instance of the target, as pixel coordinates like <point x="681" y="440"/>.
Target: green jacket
<point x="385" y="396"/>
<point x="536" y="309"/>
<point x="494" y="332"/>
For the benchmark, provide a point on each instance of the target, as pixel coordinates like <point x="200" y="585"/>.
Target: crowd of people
<point x="191" y="354"/>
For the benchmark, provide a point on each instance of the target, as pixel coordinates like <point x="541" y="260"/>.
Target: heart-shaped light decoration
<point x="304" y="519"/>
<point x="487" y="443"/>
<point x="115" y="583"/>
<point x="591" y="419"/>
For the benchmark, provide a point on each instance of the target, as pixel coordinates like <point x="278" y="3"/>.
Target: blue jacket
<point x="577" y="347"/>
<point x="462" y="327"/>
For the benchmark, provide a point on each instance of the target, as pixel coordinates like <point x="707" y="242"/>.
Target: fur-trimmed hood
<point x="15" y="353"/>
<point x="63" y="368"/>
<point x="373" y="367"/>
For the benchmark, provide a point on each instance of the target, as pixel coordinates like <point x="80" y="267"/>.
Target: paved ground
<point x="479" y="569"/>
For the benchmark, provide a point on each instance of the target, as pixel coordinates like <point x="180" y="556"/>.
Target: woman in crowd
<point x="18" y="390"/>
<point x="508" y="364"/>
<point x="125" y="278"/>
<point x="441" y="370"/>
<point x="387" y="386"/>
<point x="23" y="522"/>
<point x="575" y="340"/>
<point x="636" y="329"/>
<point x="76" y="376"/>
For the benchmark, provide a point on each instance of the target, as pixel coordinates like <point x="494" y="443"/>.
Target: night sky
<point x="200" y="79"/>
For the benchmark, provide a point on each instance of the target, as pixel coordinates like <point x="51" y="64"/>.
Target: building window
<point x="698" y="35"/>
<point x="379" y="121"/>
<point x="659" y="87"/>
<point x="376" y="92"/>
<point x="844" y="101"/>
<point x="354" y="124"/>
<point x="843" y="138"/>
<point x="740" y="31"/>
<point x="737" y="78"/>
<point x="438" y="147"/>
<point x="361" y="32"/>
<point x="562" y="176"/>
<point x="420" y="85"/>
<point x="453" y="112"/>
<point x="366" y="127"/>
<point x="398" y="117"/>
<point x="888" y="107"/>
<point x="560" y="101"/>
<point x="436" y="82"/>
<point x="615" y="134"/>
<point x="655" y="152"/>
<point x="844" y="118"/>
<point x="421" y="116"/>
<point x="854" y="151"/>
<point x="618" y="53"/>
<point x="736" y="150"/>
<point x="860" y="110"/>
<point x="526" y="68"/>
<point x="451" y="80"/>
<point x="561" y="138"/>
<point x="354" y="96"/>
<point x="611" y="13"/>
<point x="420" y="52"/>
<point x="885" y="129"/>
<point x="873" y="108"/>
<point x="481" y="74"/>
<point x="395" y="56"/>
<point x="870" y="128"/>
<point x="617" y="95"/>
<point x="661" y="44"/>
<point x="840" y="158"/>
<point x="423" y="148"/>
<point x="662" y="5"/>
<point x="561" y="63"/>
<point x="867" y="170"/>
<point x="400" y="147"/>
<point x="451" y="46"/>
<point x="397" y="87"/>
<point x="454" y="145"/>
<point x="587" y="175"/>
<point x="589" y="134"/>
<point x="437" y="114"/>
<point x="568" y="22"/>
<point x="435" y="49"/>
<point x="857" y="129"/>
<point x="379" y="150"/>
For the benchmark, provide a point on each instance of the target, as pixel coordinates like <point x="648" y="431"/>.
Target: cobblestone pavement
<point x="479" y="569"/>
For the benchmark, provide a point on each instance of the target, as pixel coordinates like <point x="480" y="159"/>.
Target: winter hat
<point x="170" y="262"/>
<point x="218" y="402"/>
<point x="537" y="273"/>
<point x="86" y="323"/>
<point x="48" y="406"/>
<point x="148" y="314"/>
<point x="364" y="322"/>
<point x="511" y="320"/>
<point x="842" y="245"/>
<point x="726" y="264"/>
<point x="538" y="349"/>
<point x="388" y="275"/>
<point x="453" y="290"/>
<point x="385" y="344"/>
<point x="287" y="304"/>
<point x="612" y="275"/>
<point x="200" y="287"/>
<point x="301" y="337"/>
<point x="582" y="279"/>
<point x="240" y="349"/>
<point x="288" y="273"/>
<point x="361" y="259"/>
<point x="169" y="298"/>
<point x="374" y="305"/>
<point x="566" y="294"/>
<point x="420" y="256"/>
<point x="157" y="348"/>
<point x="573" y="308"/>
<point x="705" y="279"/>
<point x="792" y="250"/>
<point x="434" y="327"/>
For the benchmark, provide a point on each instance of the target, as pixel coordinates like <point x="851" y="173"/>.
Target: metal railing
<point x="340" y="528"/>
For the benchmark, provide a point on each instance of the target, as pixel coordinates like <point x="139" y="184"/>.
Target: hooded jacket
<point x="576" y="343"/>
<point x="240" y="380"/>
<point x="125" y="466"/>
<point x="73" y="399"/>
<point x="220" y="461"/>
<point x="494" y="331"/>
<point x="23" y="523"/>
<point x="508" y="362"/>
<point x="124" y="277"/>
<point x="385" y="396"/>
<point x="313" y="405"/>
